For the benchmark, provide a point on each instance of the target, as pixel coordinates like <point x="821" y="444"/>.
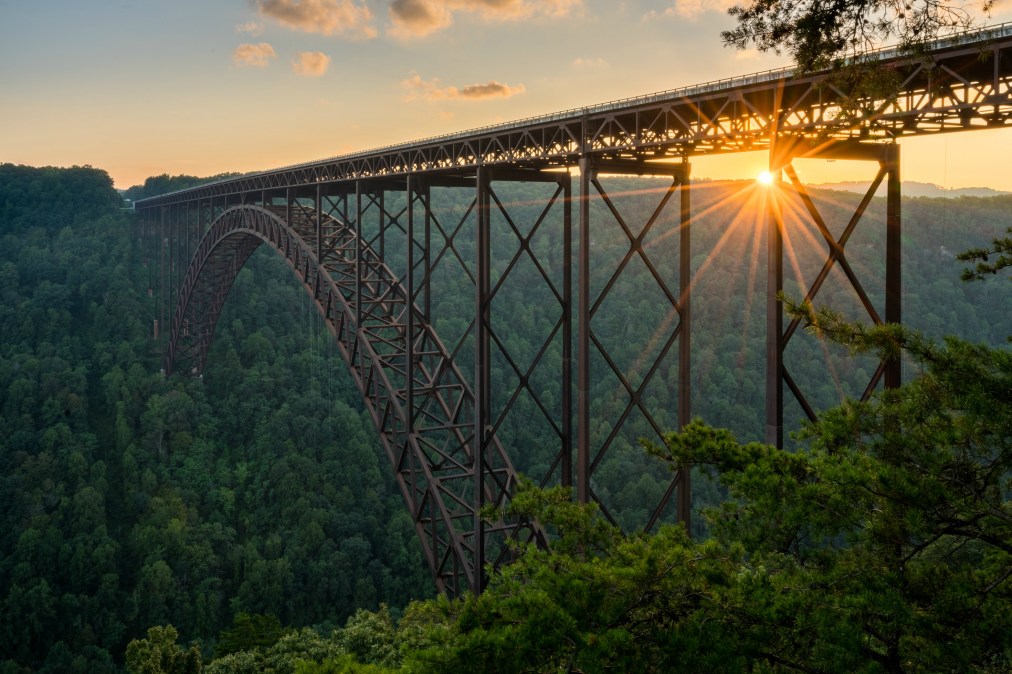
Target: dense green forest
<point x="258" y="492"/>
<point x="130" y="500"/>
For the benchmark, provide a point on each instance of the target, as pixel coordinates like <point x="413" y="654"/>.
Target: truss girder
<point x="778" y="375"/>
<point x="638" y="244"/>
<point x="421" y="406"/>
<point x="960" y="84"/>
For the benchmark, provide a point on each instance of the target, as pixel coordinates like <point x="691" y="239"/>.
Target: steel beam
<point x="684" y="485"/>
<point x="583" y="339"/>
<point x="589" y="453"/>
<point x="482" y="365"/>
<point x="566" y="470"/>
<point x="774" y="314"/>
<point x="777" y="335"/>
<point x="894" y="257"/>
<point x="957" y="84"/>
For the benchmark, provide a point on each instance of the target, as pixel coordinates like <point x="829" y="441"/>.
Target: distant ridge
<point x="916" y="189"/>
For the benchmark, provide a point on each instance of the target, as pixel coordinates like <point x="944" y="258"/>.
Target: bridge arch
<point x="420" y="404"/>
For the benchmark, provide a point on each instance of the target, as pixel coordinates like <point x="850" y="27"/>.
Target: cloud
<point x="491" y="89"/>
<point x="431" y="90"/>
<point x="692" y="9"/>
<point x="252" y="28"/>
<point x="253" y="55"/>
<point x="329" y="17"/>
<point x="418" y="18"/>
<point x="311" y="63"/>
<point x="590" y="63"/>
<point x="518" y="9"/>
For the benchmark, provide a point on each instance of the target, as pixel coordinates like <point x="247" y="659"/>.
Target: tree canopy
<point x="885" y="545"/>
<point x="818" y="34"/>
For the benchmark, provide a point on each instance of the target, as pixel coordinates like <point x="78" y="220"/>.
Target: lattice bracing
<point x="426" y="427"/>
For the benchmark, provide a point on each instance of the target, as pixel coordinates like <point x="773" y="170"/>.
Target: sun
<point x="765" y="178"/>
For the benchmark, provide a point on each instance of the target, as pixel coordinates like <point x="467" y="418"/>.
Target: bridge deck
<point x="959" y="83"/>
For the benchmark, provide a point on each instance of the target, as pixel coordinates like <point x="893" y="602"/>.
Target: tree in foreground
<point x="883" y="546"/>
<point x="1000" y="249"/>
<point x="819" y="34"/>
<point x="159" y="654"/>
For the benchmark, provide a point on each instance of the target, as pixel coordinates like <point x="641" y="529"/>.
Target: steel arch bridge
<point x="366" y="237"/>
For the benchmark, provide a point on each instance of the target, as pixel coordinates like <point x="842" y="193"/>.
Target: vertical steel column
<point x="173" y="252"/>
<point x="358" y="254"/>
<point x="583" y="339"/>
<point x="427" y="256"/>
<point x="894" y="278"/>
<point x="409" y="334"/>
<point x="288" y="206"/>
<point x="189" y="250"/>
<point x="482" y="385"/>
<point x="774" y="313"/>
<point x="684" y="338"/>
<point x="567" y="331"/>
<point x="162" y="238"/>
<point x="382" y="223"/>
<point x="170" y="240"/>
<point x="319" y="223"/>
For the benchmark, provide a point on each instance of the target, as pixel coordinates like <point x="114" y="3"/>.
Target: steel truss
<point x="634" y="380"/>
<point x="958" y="84"/>
<point x="887" y="156"/>
<point x="441" y="408"/>
<point x="417" y="397"/>
<point x="380" y="240"/>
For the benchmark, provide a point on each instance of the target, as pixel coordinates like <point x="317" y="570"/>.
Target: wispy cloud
<point x="311" y="63"/>
<point x="251" y="28"/>
<point x="417" y="18"/>
<point x="329" y="17"/>
<point x="517" y="9"/>
<point x="431" y="90"/>
<point x="595" y="63"/>
<point x="692" y="9"/>
<point x="253" y="55"/>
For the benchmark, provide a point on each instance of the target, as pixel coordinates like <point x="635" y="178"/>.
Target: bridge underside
<point x="395" y="242"/>
<point x="382" y="259"/>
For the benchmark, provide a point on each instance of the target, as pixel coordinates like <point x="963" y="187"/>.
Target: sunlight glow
<point x="765" y="178"/>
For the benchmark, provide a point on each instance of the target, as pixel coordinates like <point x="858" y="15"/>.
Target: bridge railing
<point x="999" y="31"/>
<point x="884" y="53"/>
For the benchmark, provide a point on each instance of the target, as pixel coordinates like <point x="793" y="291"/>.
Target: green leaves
<point x="1000" y="247"/>
<point x="158" y="654"/>
<point x="819" y="34"/>
<point x="882" y="545"/>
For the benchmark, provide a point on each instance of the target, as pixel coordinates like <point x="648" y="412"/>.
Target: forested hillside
<point x="130" y="501"/>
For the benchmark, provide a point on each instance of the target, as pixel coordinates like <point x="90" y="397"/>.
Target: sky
<point x="201" y="87"/>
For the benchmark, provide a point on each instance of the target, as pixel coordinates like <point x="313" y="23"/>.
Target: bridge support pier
<point x="782" y="155"/>
<point x="644" y="245"/>
<point x="507" y="282"/>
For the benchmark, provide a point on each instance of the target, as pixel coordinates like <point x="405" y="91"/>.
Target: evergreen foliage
<point x="164" y="183"/>
<point x="53" y="198"/>
<point x="820" y="34"/>
<point x="1000" y="247"/>
<point x="129" y="501"/>
<point x="885" y="545"/>
<point x="158" y="654"/>
<point x="249" y="632"/>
